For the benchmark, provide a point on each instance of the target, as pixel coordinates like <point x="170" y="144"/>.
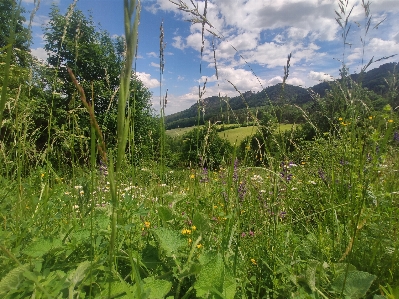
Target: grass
<point x="237" y="135"/>
<point x="234" y="135"/>
<point x="315" y="221"/>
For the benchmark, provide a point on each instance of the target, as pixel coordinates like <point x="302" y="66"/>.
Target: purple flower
<point x="204" y="176"/>
<point x="235" y="173"/>
<point x="242" y="190"/>
<point x="396" y="136"/>
<point x="285" y="173"/>
<point x="322" y="175"/>
<point x="243" y="234"/>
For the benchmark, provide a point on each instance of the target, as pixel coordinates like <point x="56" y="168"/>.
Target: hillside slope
<point x="215" y="106"/>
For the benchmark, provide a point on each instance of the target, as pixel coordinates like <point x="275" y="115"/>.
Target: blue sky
<point x="263" y="32"/>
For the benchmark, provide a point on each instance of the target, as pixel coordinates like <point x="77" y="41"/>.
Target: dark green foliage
<point x="11" y="15"/>
<point x="96" y="60"/>
<point x="203" y="147"/>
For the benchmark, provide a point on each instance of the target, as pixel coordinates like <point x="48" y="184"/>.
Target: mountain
<point x="216" y="107"/>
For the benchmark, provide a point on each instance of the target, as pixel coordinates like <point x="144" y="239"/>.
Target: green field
<point x="234" y="136"/>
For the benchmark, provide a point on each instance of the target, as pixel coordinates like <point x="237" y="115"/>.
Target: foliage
<point x="203" y="146"/>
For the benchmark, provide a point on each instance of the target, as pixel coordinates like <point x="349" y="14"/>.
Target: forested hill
<point x="373" y="80"/>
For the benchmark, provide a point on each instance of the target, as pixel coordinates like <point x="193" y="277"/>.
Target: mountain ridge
<point x="373" y="80"/>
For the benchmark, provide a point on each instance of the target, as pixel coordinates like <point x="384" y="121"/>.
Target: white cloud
<point x="147" y="80"/>
<point x="275" y="80"/>
<point x="295" y="81"/>
<point x="154" y="64"/>
<point x="152" y="54"/>
<point x="40" y="53"/>
<point x="320" y="76"/>
<point x="178" y="43"/>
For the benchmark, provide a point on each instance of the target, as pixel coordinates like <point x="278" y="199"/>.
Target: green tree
<point x="96" y="59"/>
<point x="11" y="19"/>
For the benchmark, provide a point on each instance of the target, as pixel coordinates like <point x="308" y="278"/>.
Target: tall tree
<point x="96" y="59"/>
<point x="11" y="19"/>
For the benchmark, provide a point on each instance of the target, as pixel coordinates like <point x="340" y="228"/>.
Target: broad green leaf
<point x="229" y="285"/>
<point x="201" y="222"/>
<point x="356" y="285"/>
<point x="41" y="247"/>
<point x="170" y="241"/>
<point x="13" y="279"/>
<point x="77" y="275"/>
<point x="120" y="290"/>
<point x="165" y="213"/>
<point x="210" y="277"/>
<point x="156" y="288"/>
<point x="311" y="274"/>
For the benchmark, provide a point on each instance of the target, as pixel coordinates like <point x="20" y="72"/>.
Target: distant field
<point x="234" y="136"/>
<point x="178" y="131"/>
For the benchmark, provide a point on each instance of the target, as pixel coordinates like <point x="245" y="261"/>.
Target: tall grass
<point x="319" y="221"/>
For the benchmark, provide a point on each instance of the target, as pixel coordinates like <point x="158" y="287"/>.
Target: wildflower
<point x="81" y="192"/>
<point x="199" y="246"/>
<point x="285" y="173"/>
<point x="251" y="233"/>
<point x="147" y="224"/>
<point x="242" y="190"/>
<point x="189" y="240"/>
<point x="42" y="175"/>
<point x="186" y="231"/>
<point x="253" y="261"/>
<point x="192" y="176"/>
<point x="204" y="176"/>
<point x="243" y="234"/>
<point x="396" y="136"/>
<point x="340" y="119"/>
<point x="370" y="117"/>
<point x="193" y="227"/>
<point x="235" y="173"/>
<point x="78" y="187"/>
<point x="390" y="120"/>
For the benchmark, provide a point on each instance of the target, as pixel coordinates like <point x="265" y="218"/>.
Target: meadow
<point x="304" y="211"/>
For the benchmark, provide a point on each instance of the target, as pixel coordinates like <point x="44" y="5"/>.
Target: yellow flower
<point x="390" y="120"/>
<point x="147" y="224"/>
<point x="199" y="246"/>
<point x="370" y="117"/>
<point x="189" y="240"/>
<point x="186" y="231"/>
<point x="192" y="176"/>
<point x="253" y="261"/>
<point x="193" y="227"/>
<point x="42" y="175"/>
<point x="340" y="118"/>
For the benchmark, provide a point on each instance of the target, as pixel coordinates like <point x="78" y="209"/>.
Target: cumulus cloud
<point x="147" y="80"/>
<point x="39" y="53"/>
<point x="178" y="43"/>
<point x="320" y="76"/>
<point x="275" y="80"/>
